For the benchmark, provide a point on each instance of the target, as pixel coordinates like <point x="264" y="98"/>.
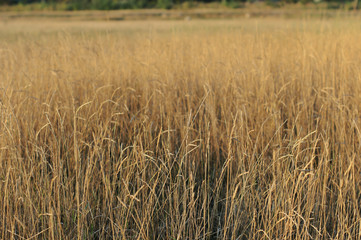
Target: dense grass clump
<point x="182" y="131"/>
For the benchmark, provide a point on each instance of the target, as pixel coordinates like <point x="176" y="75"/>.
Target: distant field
<point x="256" y="10"/>
<point x="204" y="129"/>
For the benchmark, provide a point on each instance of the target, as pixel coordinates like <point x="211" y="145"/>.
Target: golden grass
<point x="172" y="130"/>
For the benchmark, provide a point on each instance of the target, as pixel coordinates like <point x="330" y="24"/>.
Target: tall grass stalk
<point x="182" y="133"/>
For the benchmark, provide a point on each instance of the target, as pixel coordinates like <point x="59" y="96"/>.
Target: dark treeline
<point x="165" y="4"/>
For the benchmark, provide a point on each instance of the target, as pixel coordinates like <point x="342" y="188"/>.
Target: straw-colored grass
<point x="169" y="130"/>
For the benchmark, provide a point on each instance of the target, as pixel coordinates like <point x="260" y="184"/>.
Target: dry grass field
<point x="217" y="129"/>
